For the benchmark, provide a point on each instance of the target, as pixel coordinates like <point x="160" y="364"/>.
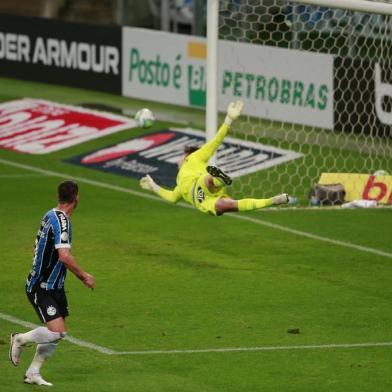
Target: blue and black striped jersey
<point x="48" y="272"/>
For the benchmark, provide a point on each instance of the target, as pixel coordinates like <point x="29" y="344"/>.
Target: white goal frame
<point x="352" y="5"/>
<point x="329" y="133"/>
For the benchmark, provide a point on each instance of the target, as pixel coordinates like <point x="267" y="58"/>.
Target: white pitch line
<point x="80" y="179"/>
<point x="315" y="236"/>
<point x="71" y="339"/>
<point x="262" y="348"/>
<point x="107" y="351"/>
<point x="22" y="175"/>
<point x="235" y="216"/>
<point x="320" y="208"/>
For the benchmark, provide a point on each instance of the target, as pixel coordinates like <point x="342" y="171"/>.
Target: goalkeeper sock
<point x="218" y="182"/>
<point x="253" y="204"/>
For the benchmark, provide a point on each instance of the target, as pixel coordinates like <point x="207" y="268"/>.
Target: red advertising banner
<point x="40" y="127"/>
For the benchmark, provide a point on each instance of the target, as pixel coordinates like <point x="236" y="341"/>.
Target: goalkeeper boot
<point x="36" y="378"/>
<point x="218" y="173"/>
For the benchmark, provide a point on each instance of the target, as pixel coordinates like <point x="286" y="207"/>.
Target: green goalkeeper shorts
<point x="203" y="199"/>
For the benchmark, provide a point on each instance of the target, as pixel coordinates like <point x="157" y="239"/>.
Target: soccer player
<point x="204" y="186"/>
<point x="45" y="283"/>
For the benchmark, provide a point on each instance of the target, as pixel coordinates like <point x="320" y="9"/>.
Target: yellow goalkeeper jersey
<point x="193" y="167"/>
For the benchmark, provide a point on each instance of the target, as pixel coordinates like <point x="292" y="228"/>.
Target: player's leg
<point x="46" y="339"/>
<point x="226" y="204"/>
<point x="43" y="352"/>
<point x="52" y="308"/>
<point x="55" y="324"/>
<point x="39" y="335"/>
<point x="219" y="178"/>
<point x="216" y="179"/>
<point x="213" y="184"/>
<point x="49" y="306"/>
<point x="256" y="204"/>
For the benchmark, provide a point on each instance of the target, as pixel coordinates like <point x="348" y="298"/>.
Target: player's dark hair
<point x="190" y="149"/>
<point x="67" y="192"/>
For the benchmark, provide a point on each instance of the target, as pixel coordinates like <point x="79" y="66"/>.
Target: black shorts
<point x="49" y="304"/>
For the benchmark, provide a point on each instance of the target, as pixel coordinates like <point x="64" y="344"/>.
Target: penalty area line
<point x="107" y="351"/>
<point x="235" y="216"/>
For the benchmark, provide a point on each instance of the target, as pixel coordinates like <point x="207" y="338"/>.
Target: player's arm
<point x="208" y="150"/>
<point x="62" y="242"/>
<point x="69" y="261"/>
<point x="149" y="184"/>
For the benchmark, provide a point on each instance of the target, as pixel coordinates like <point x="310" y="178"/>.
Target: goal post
<point x="212" y="69"/>
<point x="316" y="80"/>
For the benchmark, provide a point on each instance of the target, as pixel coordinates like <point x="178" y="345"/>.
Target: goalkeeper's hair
<point x="190" y="149"/>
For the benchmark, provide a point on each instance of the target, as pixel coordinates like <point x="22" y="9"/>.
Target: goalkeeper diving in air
<point x="203" y="186"/>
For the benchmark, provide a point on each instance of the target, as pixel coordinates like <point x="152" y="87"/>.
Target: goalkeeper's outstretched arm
<point x="208" y="150"/>
<point x="149" y="184"/>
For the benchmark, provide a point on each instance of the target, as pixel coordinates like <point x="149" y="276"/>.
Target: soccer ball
<point x="144" y="118"/>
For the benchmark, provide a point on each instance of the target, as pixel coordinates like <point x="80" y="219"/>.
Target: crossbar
<point x="352" y="5"/>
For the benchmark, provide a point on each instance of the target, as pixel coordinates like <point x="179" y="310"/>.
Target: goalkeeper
<point x="203" y="186"/>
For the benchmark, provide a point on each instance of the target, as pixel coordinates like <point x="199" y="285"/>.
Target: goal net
<point x="317" y="86"/>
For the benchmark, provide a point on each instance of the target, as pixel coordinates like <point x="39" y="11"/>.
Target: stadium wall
<point x="50" y="51"/>
<point x="278" y="84"/>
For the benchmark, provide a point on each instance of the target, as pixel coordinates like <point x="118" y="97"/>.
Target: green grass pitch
<point x="170" y="278"/>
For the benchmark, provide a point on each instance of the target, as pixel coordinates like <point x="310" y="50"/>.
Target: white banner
<point x="275" y="83"/>
<point x="157" y="66"/>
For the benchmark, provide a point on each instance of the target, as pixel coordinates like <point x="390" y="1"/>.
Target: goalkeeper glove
<point x="233" y="111"/>
<point x="148" y="183"/>
<point x="281" y="199"/>
<point x="284" y="198"/>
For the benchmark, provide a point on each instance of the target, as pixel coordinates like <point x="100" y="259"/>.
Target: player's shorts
<point x="203" y="199"/>
<point x="49" y="304"/>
